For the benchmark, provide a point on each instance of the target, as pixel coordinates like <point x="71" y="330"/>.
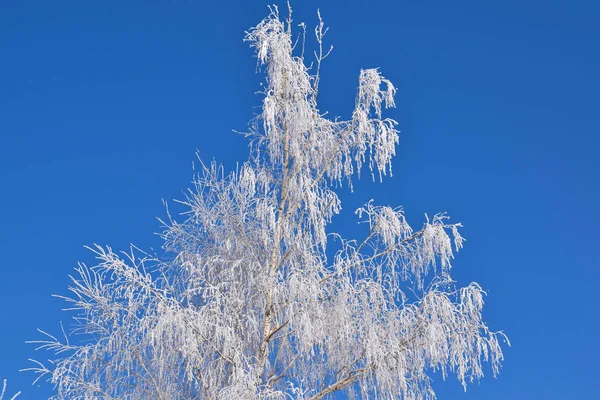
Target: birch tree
<point x="259" y="299"/>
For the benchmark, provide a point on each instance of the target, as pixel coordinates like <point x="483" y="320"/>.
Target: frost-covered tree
<point x="259" y="300"/>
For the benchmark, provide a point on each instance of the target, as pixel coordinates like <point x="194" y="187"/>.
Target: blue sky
<point x="103" y="104"/>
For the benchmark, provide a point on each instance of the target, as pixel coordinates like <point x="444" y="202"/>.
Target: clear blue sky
<point x="103" y="104"/>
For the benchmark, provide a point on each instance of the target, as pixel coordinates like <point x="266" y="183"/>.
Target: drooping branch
<point x="372" y="257"/>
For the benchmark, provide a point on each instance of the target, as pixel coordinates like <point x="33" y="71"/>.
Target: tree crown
<point x="253" y="304"/>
